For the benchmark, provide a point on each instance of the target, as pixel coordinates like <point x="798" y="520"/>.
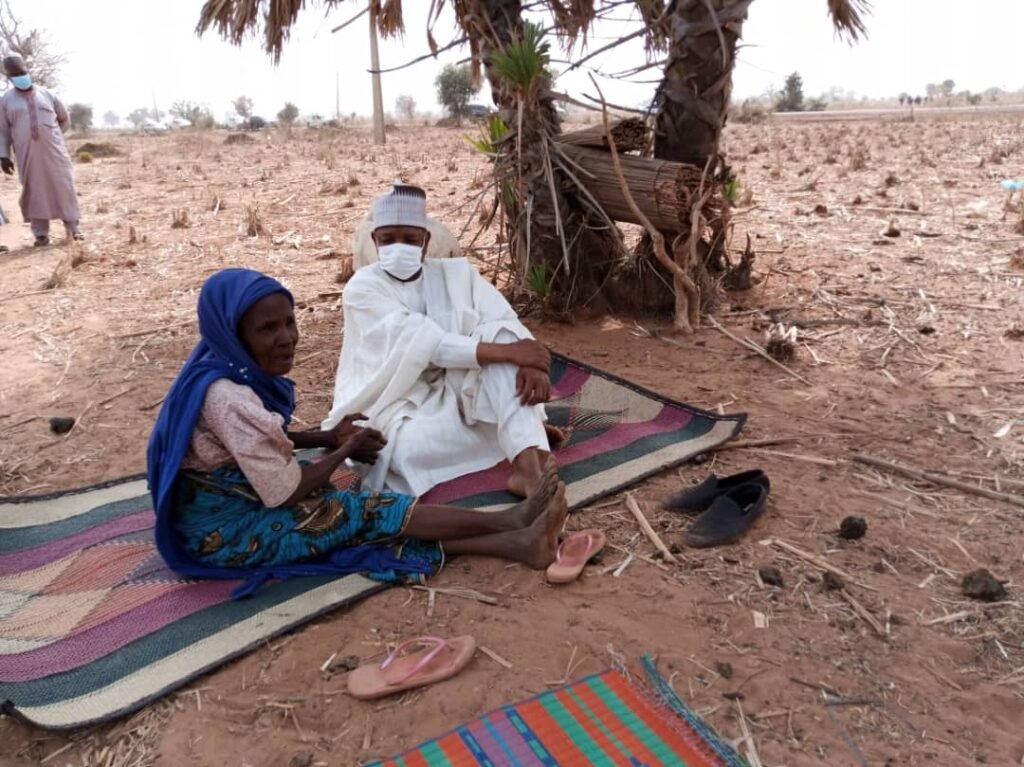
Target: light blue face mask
<point x="22" y="82"/>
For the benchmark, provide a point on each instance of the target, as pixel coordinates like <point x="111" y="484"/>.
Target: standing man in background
<point x="32" y="122"/>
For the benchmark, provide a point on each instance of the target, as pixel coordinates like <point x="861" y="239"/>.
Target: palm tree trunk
<point x="697" y="83"/>
<point x="547" y="232"/>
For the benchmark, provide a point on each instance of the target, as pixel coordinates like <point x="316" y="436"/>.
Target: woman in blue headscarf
<point x="233" y="501"/>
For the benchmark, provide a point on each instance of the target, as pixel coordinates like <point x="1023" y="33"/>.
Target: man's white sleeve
<point x="456" y="351"/>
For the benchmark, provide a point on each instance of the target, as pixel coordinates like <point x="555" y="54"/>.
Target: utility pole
<point x="378" y="97"/>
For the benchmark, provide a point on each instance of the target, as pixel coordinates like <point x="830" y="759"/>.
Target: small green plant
<point x="732" y="190"/>
<point x="491" y="134"/>
<point x="524" y="62"/>
<point x="85" y="156"/>
<point x="537" y="276"/>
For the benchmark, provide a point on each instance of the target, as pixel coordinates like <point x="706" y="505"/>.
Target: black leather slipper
<point x="699" y="497"/>
<point x="728" y="517"/>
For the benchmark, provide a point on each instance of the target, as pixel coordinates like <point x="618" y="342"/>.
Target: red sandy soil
<point x="918" y="361"/>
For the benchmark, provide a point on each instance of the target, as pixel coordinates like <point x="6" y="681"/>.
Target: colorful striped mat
<point x="93" y="626"/>
<point x="603" y="720"/>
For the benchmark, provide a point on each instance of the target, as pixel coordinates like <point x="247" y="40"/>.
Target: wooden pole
<point x="378" y="97"/>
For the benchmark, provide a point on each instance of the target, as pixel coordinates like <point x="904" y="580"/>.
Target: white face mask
<point x="400" y="259"/>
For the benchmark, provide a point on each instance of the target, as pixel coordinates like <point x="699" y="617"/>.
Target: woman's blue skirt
<point x="223" y="523"/>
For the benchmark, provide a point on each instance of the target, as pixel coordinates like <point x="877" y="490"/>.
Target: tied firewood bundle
<point x="666" y="192"/>
<point x="630" y="134"/>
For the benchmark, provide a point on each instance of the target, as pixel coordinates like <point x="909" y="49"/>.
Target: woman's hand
<point x="344" y="430"/>
<point x="364" y="445"/>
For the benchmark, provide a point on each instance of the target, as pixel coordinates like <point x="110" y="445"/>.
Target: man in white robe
<point x="438" y="361"/>
<point x="32" y="122"/>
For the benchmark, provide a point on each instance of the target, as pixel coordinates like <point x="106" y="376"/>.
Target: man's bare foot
<point x="528" y="471"/>
<point x="555" y="436"/>
<point x="526" y="511"/>
<point x="540" y="540"/>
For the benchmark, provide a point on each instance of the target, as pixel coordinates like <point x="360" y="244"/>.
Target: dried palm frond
<point x="572" y="18"/>
<point x="234" y="19"/>
<point x="390" y="21"/>
<point x="655" y="20"/>
<point x="847" y="17"/>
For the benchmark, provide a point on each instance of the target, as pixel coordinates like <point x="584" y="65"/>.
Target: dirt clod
<point x="770" y="576"/>
<point x="892" y="230"/>
<point x="853" y="528"/>
<point x="982" y="585"/>
<point x="348" y="663"/>
<point x="61" y="424"/>
<point x="724" y="668"/>
<point x="301" y="759"/>
<point x="832" y="582"/>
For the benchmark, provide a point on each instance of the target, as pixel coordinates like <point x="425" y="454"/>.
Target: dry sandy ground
<point x="917" y="358"/>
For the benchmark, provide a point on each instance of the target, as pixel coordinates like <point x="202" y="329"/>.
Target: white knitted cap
<point x="403" y="206"/>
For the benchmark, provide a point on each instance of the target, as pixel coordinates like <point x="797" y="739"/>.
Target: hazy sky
<point x="124" y="53"/>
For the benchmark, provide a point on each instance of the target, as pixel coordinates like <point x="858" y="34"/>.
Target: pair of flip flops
<point x="728" y="506"/>
<point x="572" y="555"/>
<point x="439" y="659"/>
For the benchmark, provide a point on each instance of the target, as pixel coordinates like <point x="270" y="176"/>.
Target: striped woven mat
<point x="603" y="720"/>
<point x="93" y="625"/>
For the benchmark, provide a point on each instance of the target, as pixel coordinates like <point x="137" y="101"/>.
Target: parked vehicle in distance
<point x="314" y="121"/>
<point x="153" y="127"/>
<point x="478" y="111"/>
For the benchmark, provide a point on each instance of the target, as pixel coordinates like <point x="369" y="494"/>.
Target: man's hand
<point x="364" y="445"/>
<point x="532" y="386"/>
<point x="529" y="353"/>
<point x="7" y="165"/>
<point x="344" y="430"/>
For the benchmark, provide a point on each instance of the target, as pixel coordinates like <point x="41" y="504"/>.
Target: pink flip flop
<point x="439" y="660"/>
<point x="573" y="554"/>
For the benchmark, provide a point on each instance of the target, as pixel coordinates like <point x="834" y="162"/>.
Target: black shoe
<point x="41" y="242"/>
<point x="728" y="518"/>
<point x="701" y="496"/>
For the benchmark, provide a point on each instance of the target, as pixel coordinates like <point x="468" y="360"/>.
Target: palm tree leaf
<point x="847" y="16"/>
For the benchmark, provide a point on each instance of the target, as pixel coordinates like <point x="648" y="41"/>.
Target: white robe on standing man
<point x="32" y="123"/>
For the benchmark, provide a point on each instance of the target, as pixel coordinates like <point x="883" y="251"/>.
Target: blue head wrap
<point x="220" y="353"/>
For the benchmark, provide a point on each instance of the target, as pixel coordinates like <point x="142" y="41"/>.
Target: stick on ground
<point x="645" y="526"/>
<point x="938" y="479"/>
<point x="756" y="349"/>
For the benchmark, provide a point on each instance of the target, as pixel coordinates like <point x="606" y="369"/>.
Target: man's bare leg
<point x="534" y="546"/>
<point x="527" y="470"/>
